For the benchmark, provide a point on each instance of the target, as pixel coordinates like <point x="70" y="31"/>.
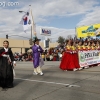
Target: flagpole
<point x="32" y="27"/>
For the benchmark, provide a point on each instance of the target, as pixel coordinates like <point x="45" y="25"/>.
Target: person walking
<point x="37" y="51"/>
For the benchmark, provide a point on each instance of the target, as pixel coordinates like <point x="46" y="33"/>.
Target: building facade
<point x="22" y="45"/>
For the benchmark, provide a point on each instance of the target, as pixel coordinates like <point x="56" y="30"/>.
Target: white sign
<point x="44" y="31"/>
<point x="89" y="57"/>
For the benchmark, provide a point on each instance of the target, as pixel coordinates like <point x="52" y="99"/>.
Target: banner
<point x="89" y="57"/>
<point x="86" y="31"/>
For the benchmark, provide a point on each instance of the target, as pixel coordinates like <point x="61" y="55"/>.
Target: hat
<point x="36" y="39"/>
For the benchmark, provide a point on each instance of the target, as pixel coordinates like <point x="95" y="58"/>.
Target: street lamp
<point x="22" y="11"/>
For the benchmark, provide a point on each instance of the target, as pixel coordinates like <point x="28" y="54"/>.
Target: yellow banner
<point x="86" y="31"/>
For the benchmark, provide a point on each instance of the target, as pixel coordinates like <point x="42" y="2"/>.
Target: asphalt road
<point x="54" y="85"/>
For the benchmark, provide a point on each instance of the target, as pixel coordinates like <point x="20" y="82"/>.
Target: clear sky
<point x="60" y="16"/>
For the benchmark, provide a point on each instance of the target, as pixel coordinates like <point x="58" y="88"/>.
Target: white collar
<point x="6" y="49"/>
<point x="37" y="45"/>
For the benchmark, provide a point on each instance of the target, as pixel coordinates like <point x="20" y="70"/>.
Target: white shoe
<point x="34" y="73"/>
<point x="65" y="70"/>
<point x="80" y="68"/>
<point x="41" y="74"/>
<point x="98" y="64"/>
<point x="86" y="67"/>
<point x="74" y="69"/>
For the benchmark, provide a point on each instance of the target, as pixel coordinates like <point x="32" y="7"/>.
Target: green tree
<point x="61" y="39"/>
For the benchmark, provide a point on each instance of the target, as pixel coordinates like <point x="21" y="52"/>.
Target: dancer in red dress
<point x="67" y="62"/>
<point x="75" y="57"/>
<point x="80" y="49"/>
<point x="65" y="58"/>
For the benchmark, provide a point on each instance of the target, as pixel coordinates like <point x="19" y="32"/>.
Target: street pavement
<point x="54" y="85"/>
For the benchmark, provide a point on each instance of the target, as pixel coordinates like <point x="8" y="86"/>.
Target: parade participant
<point x="89" y="46"/>
<point x="79" y="47"/>
<point x="93" y="46"/>
<point x="6" y="66"/>
<point x="75" y="57"/>
<point x="37" y="51"/>
<point x="65" y="58"/>
<point x="84" y="46"/>
<point x="97" y="46"/>
<point x="67" y="62"/>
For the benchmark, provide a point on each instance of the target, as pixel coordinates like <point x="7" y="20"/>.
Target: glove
<point x="38" y="49"/>
<point x="71" y="52"/>
<point x="14" y="63"/>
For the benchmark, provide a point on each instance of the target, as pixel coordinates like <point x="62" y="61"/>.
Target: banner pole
<point x="33" y="25"/>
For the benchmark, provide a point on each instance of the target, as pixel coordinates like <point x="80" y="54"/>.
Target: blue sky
<point x="62" y="22"/>
<point x="60" y="16"/>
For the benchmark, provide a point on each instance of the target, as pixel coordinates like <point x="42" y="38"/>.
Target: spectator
<point x="48" y="57"/>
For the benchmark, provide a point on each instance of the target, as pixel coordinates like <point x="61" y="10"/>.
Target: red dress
<point x="75" y="58"/>
<point x="67" y="62"/>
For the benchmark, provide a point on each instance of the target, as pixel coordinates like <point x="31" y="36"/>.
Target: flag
<point x="26" y="21"/>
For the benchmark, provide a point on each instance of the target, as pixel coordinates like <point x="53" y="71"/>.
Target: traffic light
<point x="7" y="36"/>
<point x="30" y="41"/>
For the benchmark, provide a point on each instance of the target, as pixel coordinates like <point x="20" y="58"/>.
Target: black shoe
<point x="10" y="86"/>
<point x="4" y="89"/>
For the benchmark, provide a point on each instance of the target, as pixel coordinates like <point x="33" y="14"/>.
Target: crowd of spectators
<point x="52" y="54"/>
<point x="23" y="57"/>
<point x="55" y="54"/>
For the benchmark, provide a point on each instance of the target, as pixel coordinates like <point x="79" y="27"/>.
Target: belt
<point x="4" y="55"/>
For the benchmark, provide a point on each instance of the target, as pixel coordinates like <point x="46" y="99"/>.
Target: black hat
<point x="36" y="39"/>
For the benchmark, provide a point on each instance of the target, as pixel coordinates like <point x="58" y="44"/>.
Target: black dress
<point x="6" y="68"/>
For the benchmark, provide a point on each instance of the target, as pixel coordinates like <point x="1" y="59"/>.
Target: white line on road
<point x="68" y="85"/>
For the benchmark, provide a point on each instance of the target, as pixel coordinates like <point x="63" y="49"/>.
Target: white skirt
<point x="41" y="62"/>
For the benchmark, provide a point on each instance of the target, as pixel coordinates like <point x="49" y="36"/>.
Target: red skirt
<point x="64" y="61"/>
<point x="67" y="62"/>
<point x="76" y="60"/>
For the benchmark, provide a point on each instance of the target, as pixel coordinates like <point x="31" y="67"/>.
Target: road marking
<point x="64" y="84"/>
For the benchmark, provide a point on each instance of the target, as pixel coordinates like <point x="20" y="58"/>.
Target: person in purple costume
<point x="37" y="50"/>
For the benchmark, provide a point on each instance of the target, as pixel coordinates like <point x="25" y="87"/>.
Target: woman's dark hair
<point x="6" y="41"/>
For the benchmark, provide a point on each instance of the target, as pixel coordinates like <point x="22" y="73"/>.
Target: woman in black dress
<point x="6" y="66"/>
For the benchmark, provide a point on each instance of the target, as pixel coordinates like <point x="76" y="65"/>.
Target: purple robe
<point x="37" y="50"/>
